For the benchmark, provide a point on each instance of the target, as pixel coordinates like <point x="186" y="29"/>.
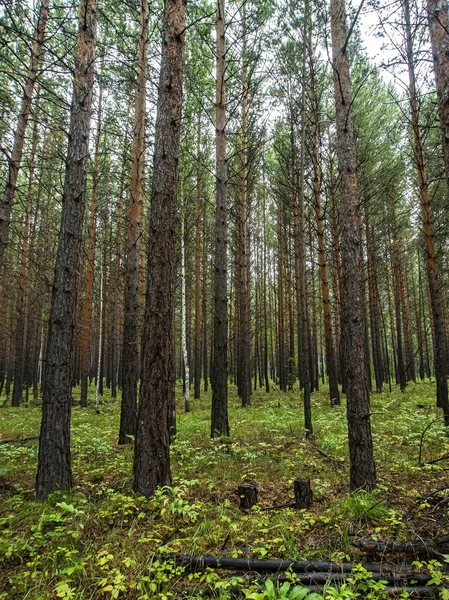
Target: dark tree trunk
<point x="198" y="213"/>
<point x="362" y="467"/>
<point x="438" y="15"/>
<point x="219" y="420"/>
<point x="132" y="299"/>
<point x="157" y="392"/>
<point x="7" y="200"/>
<point x="432" y="270"/>
<point x="23" y="288"/>
<point x="54" y="461"/>
<point x="244" y="338"/>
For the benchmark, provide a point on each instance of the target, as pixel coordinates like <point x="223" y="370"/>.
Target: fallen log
<point x="200" y="563"/>
<point x="413" y="546"/>
<point x="20" y="438"/>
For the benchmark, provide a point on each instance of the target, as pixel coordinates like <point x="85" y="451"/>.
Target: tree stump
<point x="303" y="493"/>
<point x="247" y="494"/>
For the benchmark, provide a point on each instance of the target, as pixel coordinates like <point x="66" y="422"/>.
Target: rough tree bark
<point x="90" y="267"/>
<point x="362" y="467"/>
<point x="132" y="309"/>
<point x="438" y="15"/>
<point x="331" y="362"/>
<point x="7" y="200"/>
<point x="432" y="270"/>
<point x="244" y="339"/>
<point x="219" y="417"/>
<point x="157" y="392"/>
<point x="23" y="287"/>
<point x="54" y="461"/>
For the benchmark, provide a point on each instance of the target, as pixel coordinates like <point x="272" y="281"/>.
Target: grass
<point x="100" y="541"/>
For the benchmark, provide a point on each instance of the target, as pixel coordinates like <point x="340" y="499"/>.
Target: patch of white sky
<point x="381" y="30"/>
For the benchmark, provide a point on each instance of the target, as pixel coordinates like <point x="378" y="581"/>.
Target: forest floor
<point x="102" y="541"/>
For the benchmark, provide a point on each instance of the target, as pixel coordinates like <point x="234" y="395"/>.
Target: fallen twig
<point x="20" y="438"/>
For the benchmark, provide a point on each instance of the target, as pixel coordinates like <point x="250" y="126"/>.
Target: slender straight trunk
<point x="432" y="270"/>
<point x="157" y="391"/>
<point x="132" y="300"/>
<point x="362" y="467"/>
<point x="336" y="265"/>
<point x="405" y="305"/>
<point x="106" y="259"/>
<point x="7" y="200"/>
<point x="98" y="392"/>
<point x="314" y="375"/>
<point x="374" y="308"/>
<point x="198" y="212"/>
<point x="265" y="303"/>
<point x="280" y="306"/>
<point x="117" y="260"/>
<point x="331" y="362"/>
<point x="90" y="267"/>
<point x="23" y="288"/>
<point x="244" y="339"/>
<point x="389" y="277"/>
<point x="438" y="15"/>
<point x="185" y="354"/>
<point x="300" y="253"/>
<point x="204" y="302"/>
<point x="402" y="376"/>
<point x="219" y="417"/>
<point x="54" y="462"/>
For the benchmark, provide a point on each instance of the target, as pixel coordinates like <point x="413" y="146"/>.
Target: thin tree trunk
<point x="438" y="15"/>
<point x="23" y="288"/>
<point x="432" y="271"/>
<point x="90" y="269"/>
<point x="132" y="308"/>
<point x="244" y="339"/>
<point x="197" y="374"/>
<point x="184" y="319"/>
<point x="219" y="420"/>
<point x="54" y="462"/>
<point x="331" y="362"/>
<point x="362" y="467"/>
<point x="157" y="392"/>
<point x="7" y="201"/>
<point x="98" y="392"/>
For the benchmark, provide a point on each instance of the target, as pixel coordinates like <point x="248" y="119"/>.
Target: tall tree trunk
<point x="90" y="267"/>
<point x="244" y="354"/>
<point x="54" y="462"/>
<point x="438" y="15"/>
<point x="117" y="260"/>
<point x="219" y="420"/>
<point x="23" y="288"/>
<point x="7" y="201"/>
<point x="432" y="270"/>
<point x="300" y="253"/>
<point x="204" y="302"/>
<point x="362" y="467"/>
<point x="157" y="391"/>
<point x="374" y="308"/>
<point x="331" y="362"/>
<point x="197" y="373"/>
<point x="185" y="354"/>
<point x="132" y="309"/>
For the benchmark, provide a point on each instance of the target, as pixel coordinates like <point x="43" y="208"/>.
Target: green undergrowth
<point x="102" y="541"/>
